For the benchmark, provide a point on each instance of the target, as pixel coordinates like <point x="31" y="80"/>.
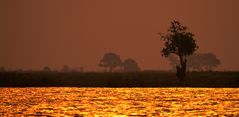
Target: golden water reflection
<point x="89" y="102"/>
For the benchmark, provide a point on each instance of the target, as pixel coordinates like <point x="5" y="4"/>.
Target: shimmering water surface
<point x="119" y="102"/>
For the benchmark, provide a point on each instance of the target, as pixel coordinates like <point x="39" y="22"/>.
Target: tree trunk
<point x="181" y="70"/>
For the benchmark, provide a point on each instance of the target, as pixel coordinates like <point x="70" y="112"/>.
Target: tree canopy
<point x="65" y="68"/>
<point x="46" y="69"/>
<point x="178" y="41"/>
<point x="110" y="61"/>
<point x="130" y="65"/>
<point x="2" y="69"/>
<point x="203" y="61"/>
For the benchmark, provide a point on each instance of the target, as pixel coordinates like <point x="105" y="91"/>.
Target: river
<point x="94" y="102"/>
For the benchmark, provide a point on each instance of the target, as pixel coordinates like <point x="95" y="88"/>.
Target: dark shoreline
<point x="153" y="79"/>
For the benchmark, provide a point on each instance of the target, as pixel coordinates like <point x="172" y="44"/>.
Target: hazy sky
<point x="37" y="33"/>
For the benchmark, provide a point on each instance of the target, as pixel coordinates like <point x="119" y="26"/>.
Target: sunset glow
<point x="119" y="58"/>
<point x="38" y="33"/>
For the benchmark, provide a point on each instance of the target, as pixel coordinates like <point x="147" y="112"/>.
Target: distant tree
<point x="46" y="69"/>
<point x="209" y="61"/>
<point x="19" y="70"/>
<point x="81" y="69"/>
<point x="78" y="69"/>
<point x="181" y="43"/>
<point x="198" y="61"/>
<point x="110" y="61"/>
<point x="2" y="69"/>
<point x="130" y="65"/>
<point x="65" y="68"/>
<point x="195" y="62"/>
<point x="173" y="61"/>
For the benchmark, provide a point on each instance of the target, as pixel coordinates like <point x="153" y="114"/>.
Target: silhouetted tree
<point x="46" y="69"/>
<point x="110" y="61"/>
<point x="65" y="68"/>
<point x="180" y="42"/>
<point x="130" y="65"/>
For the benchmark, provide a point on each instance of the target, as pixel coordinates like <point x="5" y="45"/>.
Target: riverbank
<point x="137" y="79"/>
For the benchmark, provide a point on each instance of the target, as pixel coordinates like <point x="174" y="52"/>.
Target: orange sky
<point x="37" y="33"/>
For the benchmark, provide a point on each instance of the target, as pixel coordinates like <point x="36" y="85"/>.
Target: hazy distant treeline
<point x="197" y="62"/>
<point x="65" y="68"/>
<point x="111" y="62"/>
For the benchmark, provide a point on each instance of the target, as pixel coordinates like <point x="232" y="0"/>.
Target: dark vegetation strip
<point x="137" y="79"/>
